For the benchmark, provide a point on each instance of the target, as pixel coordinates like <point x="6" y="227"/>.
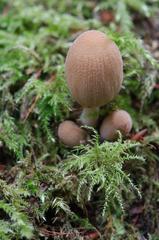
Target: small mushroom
<point x="94" y="73"/>
<point x="71" y="134"/>
<point x="118" y="120"/>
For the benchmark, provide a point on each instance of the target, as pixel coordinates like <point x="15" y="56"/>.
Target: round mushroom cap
<point x="71" y="134"/>
<point x="118" y="120"/>
<point x="94" y="69"/>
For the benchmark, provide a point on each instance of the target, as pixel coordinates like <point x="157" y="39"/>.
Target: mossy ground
<point x="99" y="191"/>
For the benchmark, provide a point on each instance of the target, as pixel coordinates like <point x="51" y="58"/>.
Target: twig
<point x="140" y="135"/>
<point x="31" y="107"/>
<point x="91" y="235"/>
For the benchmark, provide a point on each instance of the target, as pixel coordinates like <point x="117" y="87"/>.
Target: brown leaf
<point x="139" y="135"/>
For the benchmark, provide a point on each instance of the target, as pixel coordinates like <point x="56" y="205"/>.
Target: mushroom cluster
<point x="94" y="74"/>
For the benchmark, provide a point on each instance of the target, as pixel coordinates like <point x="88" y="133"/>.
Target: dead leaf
<point x="139" y="135"/>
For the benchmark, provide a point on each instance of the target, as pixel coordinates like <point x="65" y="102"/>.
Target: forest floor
<point x="106" y="190"/>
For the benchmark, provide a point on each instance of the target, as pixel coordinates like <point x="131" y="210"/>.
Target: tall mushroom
<point x="94" y="73"/>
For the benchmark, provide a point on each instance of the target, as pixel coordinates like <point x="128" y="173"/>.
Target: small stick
<point x="31" y="107"/>
<point x="139" y="135"/>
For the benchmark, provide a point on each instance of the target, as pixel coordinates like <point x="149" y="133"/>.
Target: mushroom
<point x="94" y="73"/>
<point x="71" y="134"/>
<point x="118" y="120"/>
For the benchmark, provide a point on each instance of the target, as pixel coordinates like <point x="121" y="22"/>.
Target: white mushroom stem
<point x="89" y="116"/>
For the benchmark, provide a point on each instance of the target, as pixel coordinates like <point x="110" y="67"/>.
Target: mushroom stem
<point x="89" y="116"/>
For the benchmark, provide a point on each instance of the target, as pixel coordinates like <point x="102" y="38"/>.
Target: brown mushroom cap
<point x="71" y="134"/>
<point x="117" y="120"/>
<point x="94" y="69"/>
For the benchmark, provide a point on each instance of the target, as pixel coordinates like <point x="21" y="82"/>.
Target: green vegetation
<point x="101" y="165"/>
<point x="46" y="189"/>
